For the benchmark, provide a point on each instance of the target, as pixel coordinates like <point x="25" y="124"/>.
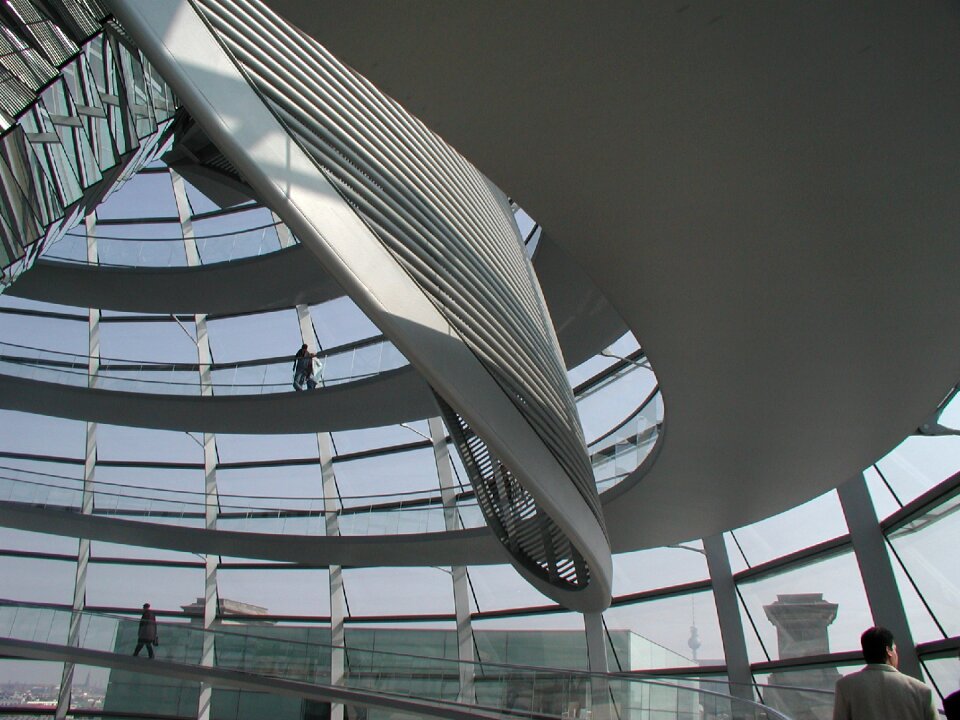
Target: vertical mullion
<point x="89" y="475"/>
<point x="458" y="573"/>
<point x="210" y="492"/>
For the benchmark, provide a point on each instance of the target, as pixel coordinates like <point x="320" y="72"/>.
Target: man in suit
<point x="880" y="691"/>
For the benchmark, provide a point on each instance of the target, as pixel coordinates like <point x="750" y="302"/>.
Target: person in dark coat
<point x="147" y="632"/>
<point x="303" y="369"/>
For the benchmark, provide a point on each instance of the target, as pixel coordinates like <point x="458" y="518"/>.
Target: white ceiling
<point x="766" y="191"/>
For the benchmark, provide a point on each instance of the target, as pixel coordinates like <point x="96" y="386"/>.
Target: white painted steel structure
<point x="799" y="329"/>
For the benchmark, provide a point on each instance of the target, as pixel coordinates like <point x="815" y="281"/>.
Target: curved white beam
<point x="585" y="321"/>
<point x="276" y="280"/>
<point x="386" y="399"/>
<point x="412" y="550"/>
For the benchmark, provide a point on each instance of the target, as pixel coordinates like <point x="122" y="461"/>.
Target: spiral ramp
<point x="411" y="231"/>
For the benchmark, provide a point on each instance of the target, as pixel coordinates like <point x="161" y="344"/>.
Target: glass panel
<point x="677" y="631"/>
<point x="805" y="525"/>
<point x="275" y="482"/>
<point x="944" y="674"/>
<point x="412" y="470"/>
<point x="165" y="588"/>
<point x="883" y="500"/>
<point x="548" y="640"/>
<point x="816" y="608"/>
<point x="399" y="591"/>
<point x="351" y="441"/>
<point x="100" y="550"/>
<point x="50" y="334"/>
<point x="89" y="687"/>
<point x="11" y="539"/>
<point x="588" y="368"/>
<point x="115" y="442"/>
<point x="46" y="483"/>
<point x="339" y="322"/>
<point x="145" y="195"/>
<point x="922" y="625"/>
<point x="30" y="683"/>
<point x="199" y="203"/>
<point x="802" y="693"/>
<point x="609" y="404"/>
<point x="264" y="448"/>
<point x="36" y="580"/>
<point x="132" y="692"/>
<point x="919" y="463"/>
<point x="500" y="587"/>
<point x="251" y="337"/>
<point x="135" y="245"/>
<point x="276" y="591"/>
<point x="659" y="567"/>
<point x="42" y="434"/>
<point x="928" y="546"/>
<point x="147" y="342"/>
<point x="235" y="235"/>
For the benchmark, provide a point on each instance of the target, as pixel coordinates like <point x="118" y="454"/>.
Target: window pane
<point x="805" y="525"/>
<point x="500" y="587"/>
<point x="351" y="441"/>
<point x="165" y="588"/>
<point x="814" y="700"/>
<point x="386" y="474"/>
<point x="677" y="631"/>
<point x="40" y="682"/>
<point x="252" y="337"/>
<point x="928" y="548"/>
<point x="145" y="195"/>
<point x="399" y="591"/>
<point x="919" y="463"/>
<point x="658" y="567"/>
<point x="548" y="640"/>
<point x="116" y="442"/>
<point x="256" y="448"/>
<point x="36" y="580"/>
<point x="817" y="608"/>
<point x="883" y="500"/>
<point x="279" y="591"/>
<point x="944" y="674"/>
<point x="339" y="322"/>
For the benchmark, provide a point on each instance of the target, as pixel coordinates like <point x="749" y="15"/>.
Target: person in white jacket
<point x="880" y="691"/>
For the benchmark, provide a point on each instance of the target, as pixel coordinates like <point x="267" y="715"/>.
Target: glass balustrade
<point x="259" y="377"/>
<point x="620" y="451"/>
<point x="271" y="652"/>
<point x="370" y="515"/>
<point x="615" y="454"/>
<point x="145" y="246"/>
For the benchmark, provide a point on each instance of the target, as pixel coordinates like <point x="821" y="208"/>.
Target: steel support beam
<point x="879" y="582"/>
<point x="458" y="573"/>
<point x="89" y="476"/>
<point x="728" y="614"/>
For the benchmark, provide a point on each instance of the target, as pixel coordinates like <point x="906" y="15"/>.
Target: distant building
<point x="802" y="621"/>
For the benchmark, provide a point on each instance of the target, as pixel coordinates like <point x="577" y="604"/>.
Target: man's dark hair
<point x="875" y="642"/>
